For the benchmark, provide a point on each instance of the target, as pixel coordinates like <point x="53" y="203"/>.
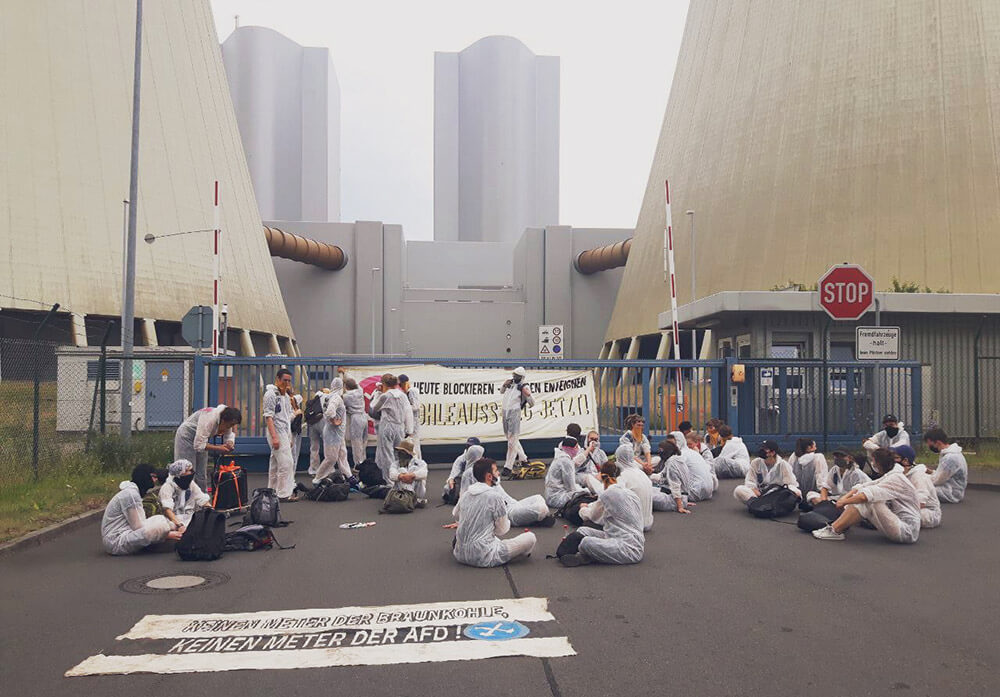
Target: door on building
<point x="164" y="394"/>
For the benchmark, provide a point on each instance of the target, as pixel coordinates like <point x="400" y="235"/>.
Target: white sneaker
<point x="828" y="533"/>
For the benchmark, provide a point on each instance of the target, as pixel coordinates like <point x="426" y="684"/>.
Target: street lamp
<point x="375" y="269"/>
<point x="694" y="332"/>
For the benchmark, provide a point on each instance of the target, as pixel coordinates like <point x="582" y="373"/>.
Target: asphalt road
<point x="722" y="605"/>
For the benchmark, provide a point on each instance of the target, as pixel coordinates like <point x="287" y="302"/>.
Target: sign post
<point x="198" y="327"/>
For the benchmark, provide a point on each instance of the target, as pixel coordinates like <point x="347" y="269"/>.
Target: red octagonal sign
<point x="846" y="291"/>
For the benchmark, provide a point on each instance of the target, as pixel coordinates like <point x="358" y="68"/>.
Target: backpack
<point x="264" y="509"/>
<point x="333" y="488"/>
<point x="450" y="497"/>
<point x="399" y="501"/>
<point x="370" y="474"/>
<point x="571" y="510"/>
<point x="297" y="425"/>
<point x="530" y="470"/>
<point x="250" y="538"/>
<point x="822" y="514"/>
<point x="314" y="410"/>
<point x="376" y="491"/>
<point x="569" y="544"/>
<point x="205" y="536"/>
<point x="230" y="487"/>
<point x="776" y="502"/>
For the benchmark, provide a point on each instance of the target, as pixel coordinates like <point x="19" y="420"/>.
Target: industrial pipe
<point x="603" y="258"/>
<point x="297" y="248"/>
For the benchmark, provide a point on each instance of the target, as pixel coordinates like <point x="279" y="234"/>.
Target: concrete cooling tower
<point x="65" y="137"/>
<point x="804" y="134"/>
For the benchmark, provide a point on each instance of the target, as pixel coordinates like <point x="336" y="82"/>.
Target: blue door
<point x="164" y="394"/>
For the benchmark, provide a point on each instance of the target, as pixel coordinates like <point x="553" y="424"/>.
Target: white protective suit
<point x="473" y="454"/>
<point x="760" y="476"/>
<point x="511" y="408"/>
<point x="560" y="480"/>
<point x="633" y="479"/>
<point x="413" y="396"/>
<point x="930" y="504"/>
<point x="395" y="421"/>
<point x="527" y="511"/>
<point x="482" y="518"/>
<point x="125" y="529"/>
<point x="640" y="449"/>
<point x="838" y="483"/>
<point x="415" y="466"/>
<point x="296" y="439"/>
<point x="182" y="503"/>
<point x="459" y="467"/>
<point x="588" y="464"/>
<point x="315" y="433"/>
<point x="357" y="423"/>
<point x="952" y="474"/>
<point x="280" y="467"/>
<point x="810" y="473"/>
<point x="882" y="440"/>
<point x="733" y="460"/>
<point x="334" y="436"/>
<point x="192" y="438"/>
<point x="702" y="480"/>
<point x="621" y="540"/>
<point x="893" y="506"/>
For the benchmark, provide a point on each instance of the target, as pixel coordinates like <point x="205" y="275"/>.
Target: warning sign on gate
<point x="551" y="341"/>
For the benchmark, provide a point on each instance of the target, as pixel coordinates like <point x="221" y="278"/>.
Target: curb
<point x="38" y="537"/>
<point x="979" y="486"/>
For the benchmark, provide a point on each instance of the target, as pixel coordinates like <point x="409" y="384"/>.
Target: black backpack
<point x="314" y="410"/>
<point x="569" y="544"/>
<point x="376" y="491"/>
<point x="250" y="538"/>
<point x="230" y="487"/>
<point x="330" y="489"/>
<point x="370" y="474"/>
<point x="204" y="538"/>
<point x="450" y="497"/>
<point x="571" y="510"/>
<point x="264" y="509"/>
<point x="776" y="502"/>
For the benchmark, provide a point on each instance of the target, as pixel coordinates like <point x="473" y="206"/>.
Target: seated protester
<point x="684" y="427"/>
<point x="635" y="480"/>
<point x="179" y="495"/>
<point x="408" y="472"/>
<point x="702" y="447"/>
<point x="892" y="434"/>
<point x="151" y="500"/>
<point x="704" y="483"/>
<point x="618" y="512"/>
<point x="842" y="476"/>
<point x="733" y="460"/>
<point x="889" y="503"/>
<point x="712" y="437"/>
<point x="125" y="529"/>
<point x="809" y="468"/>
<point x="766" y="470"/>
<point x="930" y="505"/>
<point x="472" y="455"/>
<point x="590" y="458"/>
<point x="530" y="511"/>
<point x="575" y="431"/>
<point x="635" y="437"/>
<point x="674" y="478"/>
<point x="458" y="467"/>
<point x="482" y="518"/>
<point x="952" y="473"/>
<point x="560" y="479"/>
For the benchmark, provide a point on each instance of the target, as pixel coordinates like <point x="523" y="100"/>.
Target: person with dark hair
<point x="841" y="477"/>
<point x="809" y="467"/>
<point x="191" y="441"/>
<point x="180" y="497"/>
<point x="733" y="460"/>
<point x="712" y="432"/>
<point x="930" y="504"/>
<point x="357" y="418"/>
<point x="515" y="396"/>
<point x="413" y="397"/>
<point x="151" y="504"/>
<point x="560" y="479"/>
<point x="619" y="513"/>
<point x="952" y="474"/>
<point x="674" y="479"/>
<point x="482" y="519"/>
<point x="575" y="431"/>
<point x="766" y="470"/>
<point x="892" y="434"/>
<point x="462" y="463"/>
<point x="125" y="529"/>
<point x="889" y="503"/>
<point x="684" y="427"/>
<point x="636" y="437"/>
<point x="277" y="411"/>
<point x="395" y="420"/>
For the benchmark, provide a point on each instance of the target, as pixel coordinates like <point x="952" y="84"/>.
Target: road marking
<point x="496" y="631"/>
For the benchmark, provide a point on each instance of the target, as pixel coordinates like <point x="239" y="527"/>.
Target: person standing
<point x="298" y="426"/>
<point x="357" y="419"/>
<point x="516" y="396"/>
<point x="395" y="420"/>
<point x="315" y="430"/>
<point x="191" y="441"/>
<point x="413" y="395"/>
<point x="334" y="441"/>
<point x="277" y="411"/>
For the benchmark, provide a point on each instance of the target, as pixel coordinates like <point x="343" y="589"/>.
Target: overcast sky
<point x="617" y="63"/>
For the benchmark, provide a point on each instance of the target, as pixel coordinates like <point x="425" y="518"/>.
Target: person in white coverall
<point x="809" y="467"/>
<point x="461" y="464"/>
<point x="315" y="433"/>
<point x="395" y="422"/>
<point x="357" y="419"/>
<point x="515" y="396"/>
<point x="841" y="476"/>
<point x="590" y="458"/>
<point x="641" y="448"/>
<point x="482" y="519"/>
<point x="890" y="503"/>
<point x="413" y="396"/>
<point x="768" y="469"/>
<point x="560" y="479"/>
<point x="297" y="430"/>
<point x="125" y="529"/>
<point x="619" y="513"/>
<point x="334" y="441"/>
<point x="952" y="474"/>
<point x="191" y="441"/>
<point x="180" y="497"/>
<point x="892" y="434"/>
<point x="704" y="483"/>
<point x="930" y="504"/>
<point x="674" y="480"/>
<point x="277" y="411"/>
<point x="733" y="460"/>
<point x="408" y="472"/>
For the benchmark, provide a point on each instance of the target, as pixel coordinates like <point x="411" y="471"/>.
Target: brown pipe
<point x="603" y="258"/>
<point x="297" y="248"/>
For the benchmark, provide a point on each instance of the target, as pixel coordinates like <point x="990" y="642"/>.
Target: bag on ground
<point x="204" y="537"/>
<point x="569" y="544"/>
<point x="370" y="474"/>
<point x="230" y="483"/>
<point x="330" y="489"/>
<point x="571" y="511"/>
<point x="530" y="470"/>
<point x="264" y="509"/>
<point x="250" y="538"/>
<point x="378" y="491"/>
<point x="399" y="501"/>
<point x="314" y="410"/>
<point x="775" y="502"/>
<point x="450" y="497"/>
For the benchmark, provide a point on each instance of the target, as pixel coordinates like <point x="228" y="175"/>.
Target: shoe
<point x="311" y="472"/>
<point x="356" y="490"/>
<point x="828" y="533"/>
<point x="506" y="473"/>
<point x="546" y="522"/>
<point x="421" y="503"/>
<point x="573" y="560"/>
<point x="294" y="498"/>
<point x="316" y="482"/>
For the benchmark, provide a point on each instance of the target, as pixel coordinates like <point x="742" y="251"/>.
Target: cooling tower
<point x="65" y="138"/>
<point x="805" y="134"/>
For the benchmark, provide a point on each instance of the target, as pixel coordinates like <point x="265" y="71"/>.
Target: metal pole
<point x="216" y="276"/>
<point x="975" y="377"/>
<point x="99" y="386"/>
<point x="671" y="278"/>
<point x="825" y="381"/>
<point x="224" y="328"/>
<point x="694" y="331"/>
<point x="878" y="371"/>
<point x="128" y="309"/>
<point x="375" y="269"/>
<point x="37" y="380"/>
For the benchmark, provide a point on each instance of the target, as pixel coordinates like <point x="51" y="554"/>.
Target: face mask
<point x="934" y="448"/>
<point x="184" y="481"/>
<point x="517" y="378"/>
<point x="841" y="462"/>
<point x="762" y="453"/>
<point x="891" y="431"/>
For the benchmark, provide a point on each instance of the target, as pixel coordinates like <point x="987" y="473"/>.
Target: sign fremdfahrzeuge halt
<point x="877" y="343"/>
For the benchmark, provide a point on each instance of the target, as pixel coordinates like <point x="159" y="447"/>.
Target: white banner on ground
<point x="456" y="403"/>
<point x="351" y="636"/>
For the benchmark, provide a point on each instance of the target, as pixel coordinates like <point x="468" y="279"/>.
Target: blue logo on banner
<point x="496" y="631"/>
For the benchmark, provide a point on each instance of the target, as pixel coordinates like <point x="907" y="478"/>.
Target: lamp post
<point x="694" y="332"/>
<point x="375" y="269"/>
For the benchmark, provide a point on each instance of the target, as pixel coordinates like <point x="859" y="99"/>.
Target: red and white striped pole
<point x="216" y="276"/>
<point x="669" y="276"/>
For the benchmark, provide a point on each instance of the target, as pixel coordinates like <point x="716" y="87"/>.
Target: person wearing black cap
<point x="767" y="469"/>
<point x="891" y="435"/>
<point x="413" y="395"/>
<point x="458" y="467"/>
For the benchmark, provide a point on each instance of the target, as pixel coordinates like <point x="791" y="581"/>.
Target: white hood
<point x="477" y="489"/>
<point x="953" y="448"/>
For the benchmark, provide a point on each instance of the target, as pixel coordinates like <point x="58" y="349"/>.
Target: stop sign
<point x="846" y="291"/>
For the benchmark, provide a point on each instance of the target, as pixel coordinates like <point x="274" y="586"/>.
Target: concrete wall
<point x="496" y="141"/>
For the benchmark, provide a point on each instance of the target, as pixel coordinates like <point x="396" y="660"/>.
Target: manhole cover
<point x="173" y="583"/>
